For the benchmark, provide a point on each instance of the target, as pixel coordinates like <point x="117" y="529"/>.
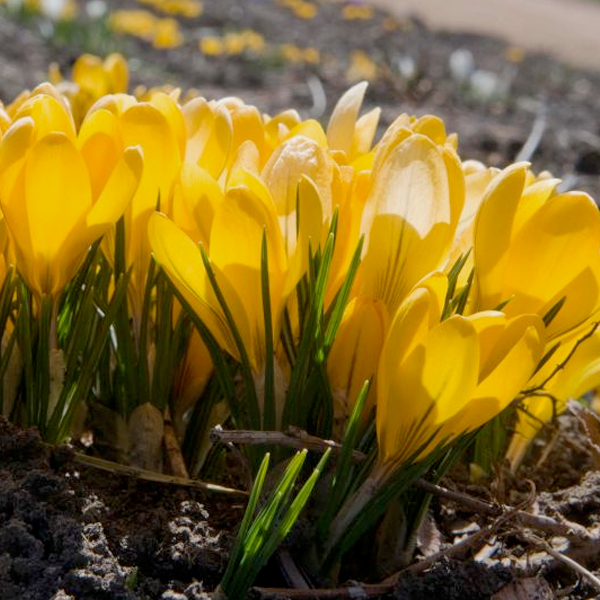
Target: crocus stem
<point x="353" y="507"/>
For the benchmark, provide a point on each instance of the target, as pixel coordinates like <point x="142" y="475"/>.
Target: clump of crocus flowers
<point x="198" y="262"/>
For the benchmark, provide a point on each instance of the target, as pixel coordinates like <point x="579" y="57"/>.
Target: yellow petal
<point x="582" y="300"/>
<point x="518" y="353"/>
<point x="310" y="129"/>
<point x="118" y="190"/>
<point x="355" y="353"/>
<point x="299" y="156"/>
<point x="247" y="158"/>
<point x="555" y="245"/>
<point x="421" y="311"/>
<point x="245" y="216"/>
<point x="582" y="372"/>
<point x="109" y="207"/>
<point x="196" y="197"/>
<point x="116" y="67"/>
<point x="49" y="114"/>
<point x="13" y="149"/>
<point x="57" y="198"/>
<point x="395" y="134"/>
<point x="208" y="135"/>
<point x="5" y="120"/>
<point x="409" y="219"/>
<point x="172" y="112"/>
<point x="340" y="130"/>
<point x="533" y="198"/>
<point x="476" y="182"/>
<point x="493" y="232"/>
<point x="101" y="145"/>
<point x="412" y="183"/>
<point x="426" y="389"/>
<point x="277" y="127"/>
<point x="433" y="127"/>
<point x="366" y="127"/>
<point x="147" y="127"/>
<point x="305" y="232"/>
<point x="247" y="124"/>
<point x="182" y="262"/>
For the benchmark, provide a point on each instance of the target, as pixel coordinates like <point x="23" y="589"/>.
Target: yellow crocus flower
<point x="48" y="108"/>
<point x="438" y="380"/>
<point x="51" y="208"/>
<point x="412" y="211"/>
<point x="157" y="126"/>
<point x="91" y="78"/>
<point x="211" y="45"/>
<point x="209" y="132"/>
<point x="245" y="215"/>
<point x="534" y="247"/>
<point x="167" y="34"/>
<point x="139" y="23"/>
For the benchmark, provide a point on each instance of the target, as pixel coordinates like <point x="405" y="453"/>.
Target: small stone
<point x="588" y="163"/>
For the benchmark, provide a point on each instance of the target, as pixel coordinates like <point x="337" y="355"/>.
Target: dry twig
<point x="145" y="474"/>
<point x="567" y="529"/>
<point x="566" y="560"/>
<point x="292" y="438"/>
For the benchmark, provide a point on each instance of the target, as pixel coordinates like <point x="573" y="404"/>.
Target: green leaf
<point x="222" y="369"/>
<point x="551" y="314"/>
<point x="236" y="552"/>
<point x="269" y="404"/>
<point x="341" y="300"/>
<point x="78" y="389"/>
<point x="256" y="543"/>
<point x="252" y="405"/>
<point x="345" y="472"/>
<point x="298" y="403"/>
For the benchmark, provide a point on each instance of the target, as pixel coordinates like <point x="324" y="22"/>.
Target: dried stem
<point x="570" y="530"/>
<point x="294" y="437"/>
<point x="173" y="448"/>
<point x="297" y="438"/>
<point x="574" y="565"/>
<point x="145" y="474"/>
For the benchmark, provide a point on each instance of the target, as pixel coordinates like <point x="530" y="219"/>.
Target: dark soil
<point x="67" y="532"/>
<point x="72" y="532"/>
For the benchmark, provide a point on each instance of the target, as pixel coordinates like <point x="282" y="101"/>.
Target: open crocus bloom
<point x="51" y="208"/>
<point x="92" y="78"/>
<point x="537" y="251"/>
<point x="115" y="122"/>
<point x="438" y="380"/>
<point x="534" y="248"/>
<point x="245" y="215"/>
<point x="412" y="212"/>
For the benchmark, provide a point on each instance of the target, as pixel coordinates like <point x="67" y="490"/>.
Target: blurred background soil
<point x="489" y="90"/>
<point x="70" y="532"/>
